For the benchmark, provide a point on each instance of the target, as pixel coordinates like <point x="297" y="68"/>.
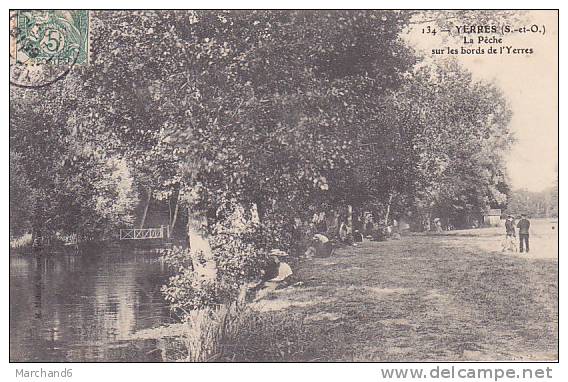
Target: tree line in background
<point x="543" y="204"/>
<point x="249" y="122"/>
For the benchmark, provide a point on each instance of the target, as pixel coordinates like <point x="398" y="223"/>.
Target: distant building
<point x="492" y="217"/>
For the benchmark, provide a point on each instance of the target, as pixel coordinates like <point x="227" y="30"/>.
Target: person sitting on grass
<point x="277" y="275"/>
<point x="283" y="270"/>
<point x="357" y="236"/>
<point x="322" y="245"/>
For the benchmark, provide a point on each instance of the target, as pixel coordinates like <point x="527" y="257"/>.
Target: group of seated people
<point x="278" y="272"/>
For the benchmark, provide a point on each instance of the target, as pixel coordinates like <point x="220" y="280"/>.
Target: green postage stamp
<point x="56" y="37"/>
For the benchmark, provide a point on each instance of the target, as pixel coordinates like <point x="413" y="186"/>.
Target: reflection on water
<point x="82" y="307"/>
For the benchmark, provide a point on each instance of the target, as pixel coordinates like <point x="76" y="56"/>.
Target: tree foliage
<point x="286" y="113"/>
<point x="534" y="204"/>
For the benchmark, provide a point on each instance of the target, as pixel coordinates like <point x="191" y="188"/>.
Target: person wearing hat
<point x="277" y="270"/>
<point x="276" y="275"/>
<point x="510" y="226"/>
<point x="510" y="236"/>
<point x="523" y="225"/>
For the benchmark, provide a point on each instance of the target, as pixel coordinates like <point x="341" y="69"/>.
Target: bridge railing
<point x="162" y="232"/>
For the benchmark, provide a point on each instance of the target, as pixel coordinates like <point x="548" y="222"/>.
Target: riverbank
<point x="448" y="297"/>
<point x="126" y="246"/>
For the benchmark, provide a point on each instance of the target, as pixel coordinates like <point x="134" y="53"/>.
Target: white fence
<point x="162" y="232"/>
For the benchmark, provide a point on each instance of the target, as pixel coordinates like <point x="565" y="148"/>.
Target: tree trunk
<point x="332" y="223"/>
<point x="357" y="218"/>
<point x="170" y="211"/>
<point x="387" y="215"/>
<point x="260" y="210"/>
<point x="350" y="218"/>
<point x="146" y="208"/>
<point x="428" y="219"/>
<point x="255" y="213"/>
<point x="174" y="219"/>
<point x="197" y="241"/>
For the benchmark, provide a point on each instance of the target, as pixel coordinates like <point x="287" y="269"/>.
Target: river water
<point x="84" y="307"/>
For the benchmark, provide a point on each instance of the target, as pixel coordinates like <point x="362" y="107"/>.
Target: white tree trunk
<point x="349" y="218"/>
<point x="174" y="219"/>
<point x="202" y="255"/>
<point x="387" y="215"/>
<point x="146" y="208"/>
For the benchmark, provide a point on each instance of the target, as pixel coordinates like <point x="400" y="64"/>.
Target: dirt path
<point x="428" y="298"/>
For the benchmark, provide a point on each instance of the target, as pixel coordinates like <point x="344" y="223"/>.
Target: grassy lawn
<point x="449" y="297"/>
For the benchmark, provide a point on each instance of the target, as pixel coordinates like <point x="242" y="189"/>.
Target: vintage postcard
<point x="283" y="186"/>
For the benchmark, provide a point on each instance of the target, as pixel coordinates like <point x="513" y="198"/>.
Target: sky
<point x="530" y="84"/>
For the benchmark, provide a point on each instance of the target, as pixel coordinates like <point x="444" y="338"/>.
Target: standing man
<point x="510" y="234"/>
<point x="523" y="226"/>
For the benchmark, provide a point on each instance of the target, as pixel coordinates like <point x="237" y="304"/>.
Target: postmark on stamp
<point x="46" y="44"/>
<point x="52" y="37"/>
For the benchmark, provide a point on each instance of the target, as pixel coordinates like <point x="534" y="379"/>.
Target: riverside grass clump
<point x="239" y="334"/>
<point x="206" y="330"/>
<point x="269" y="337"/>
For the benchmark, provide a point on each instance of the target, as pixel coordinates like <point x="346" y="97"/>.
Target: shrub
<point x="211" y="309"/>
<point x="239" y="253"/>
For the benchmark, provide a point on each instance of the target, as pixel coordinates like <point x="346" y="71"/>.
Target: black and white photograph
<point x="347" y="186"/>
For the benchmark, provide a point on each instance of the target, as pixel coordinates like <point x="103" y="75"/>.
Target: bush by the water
<point x="234" y="333"/>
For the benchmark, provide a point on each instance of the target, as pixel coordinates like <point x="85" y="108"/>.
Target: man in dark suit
<point x="523" y="225"/>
